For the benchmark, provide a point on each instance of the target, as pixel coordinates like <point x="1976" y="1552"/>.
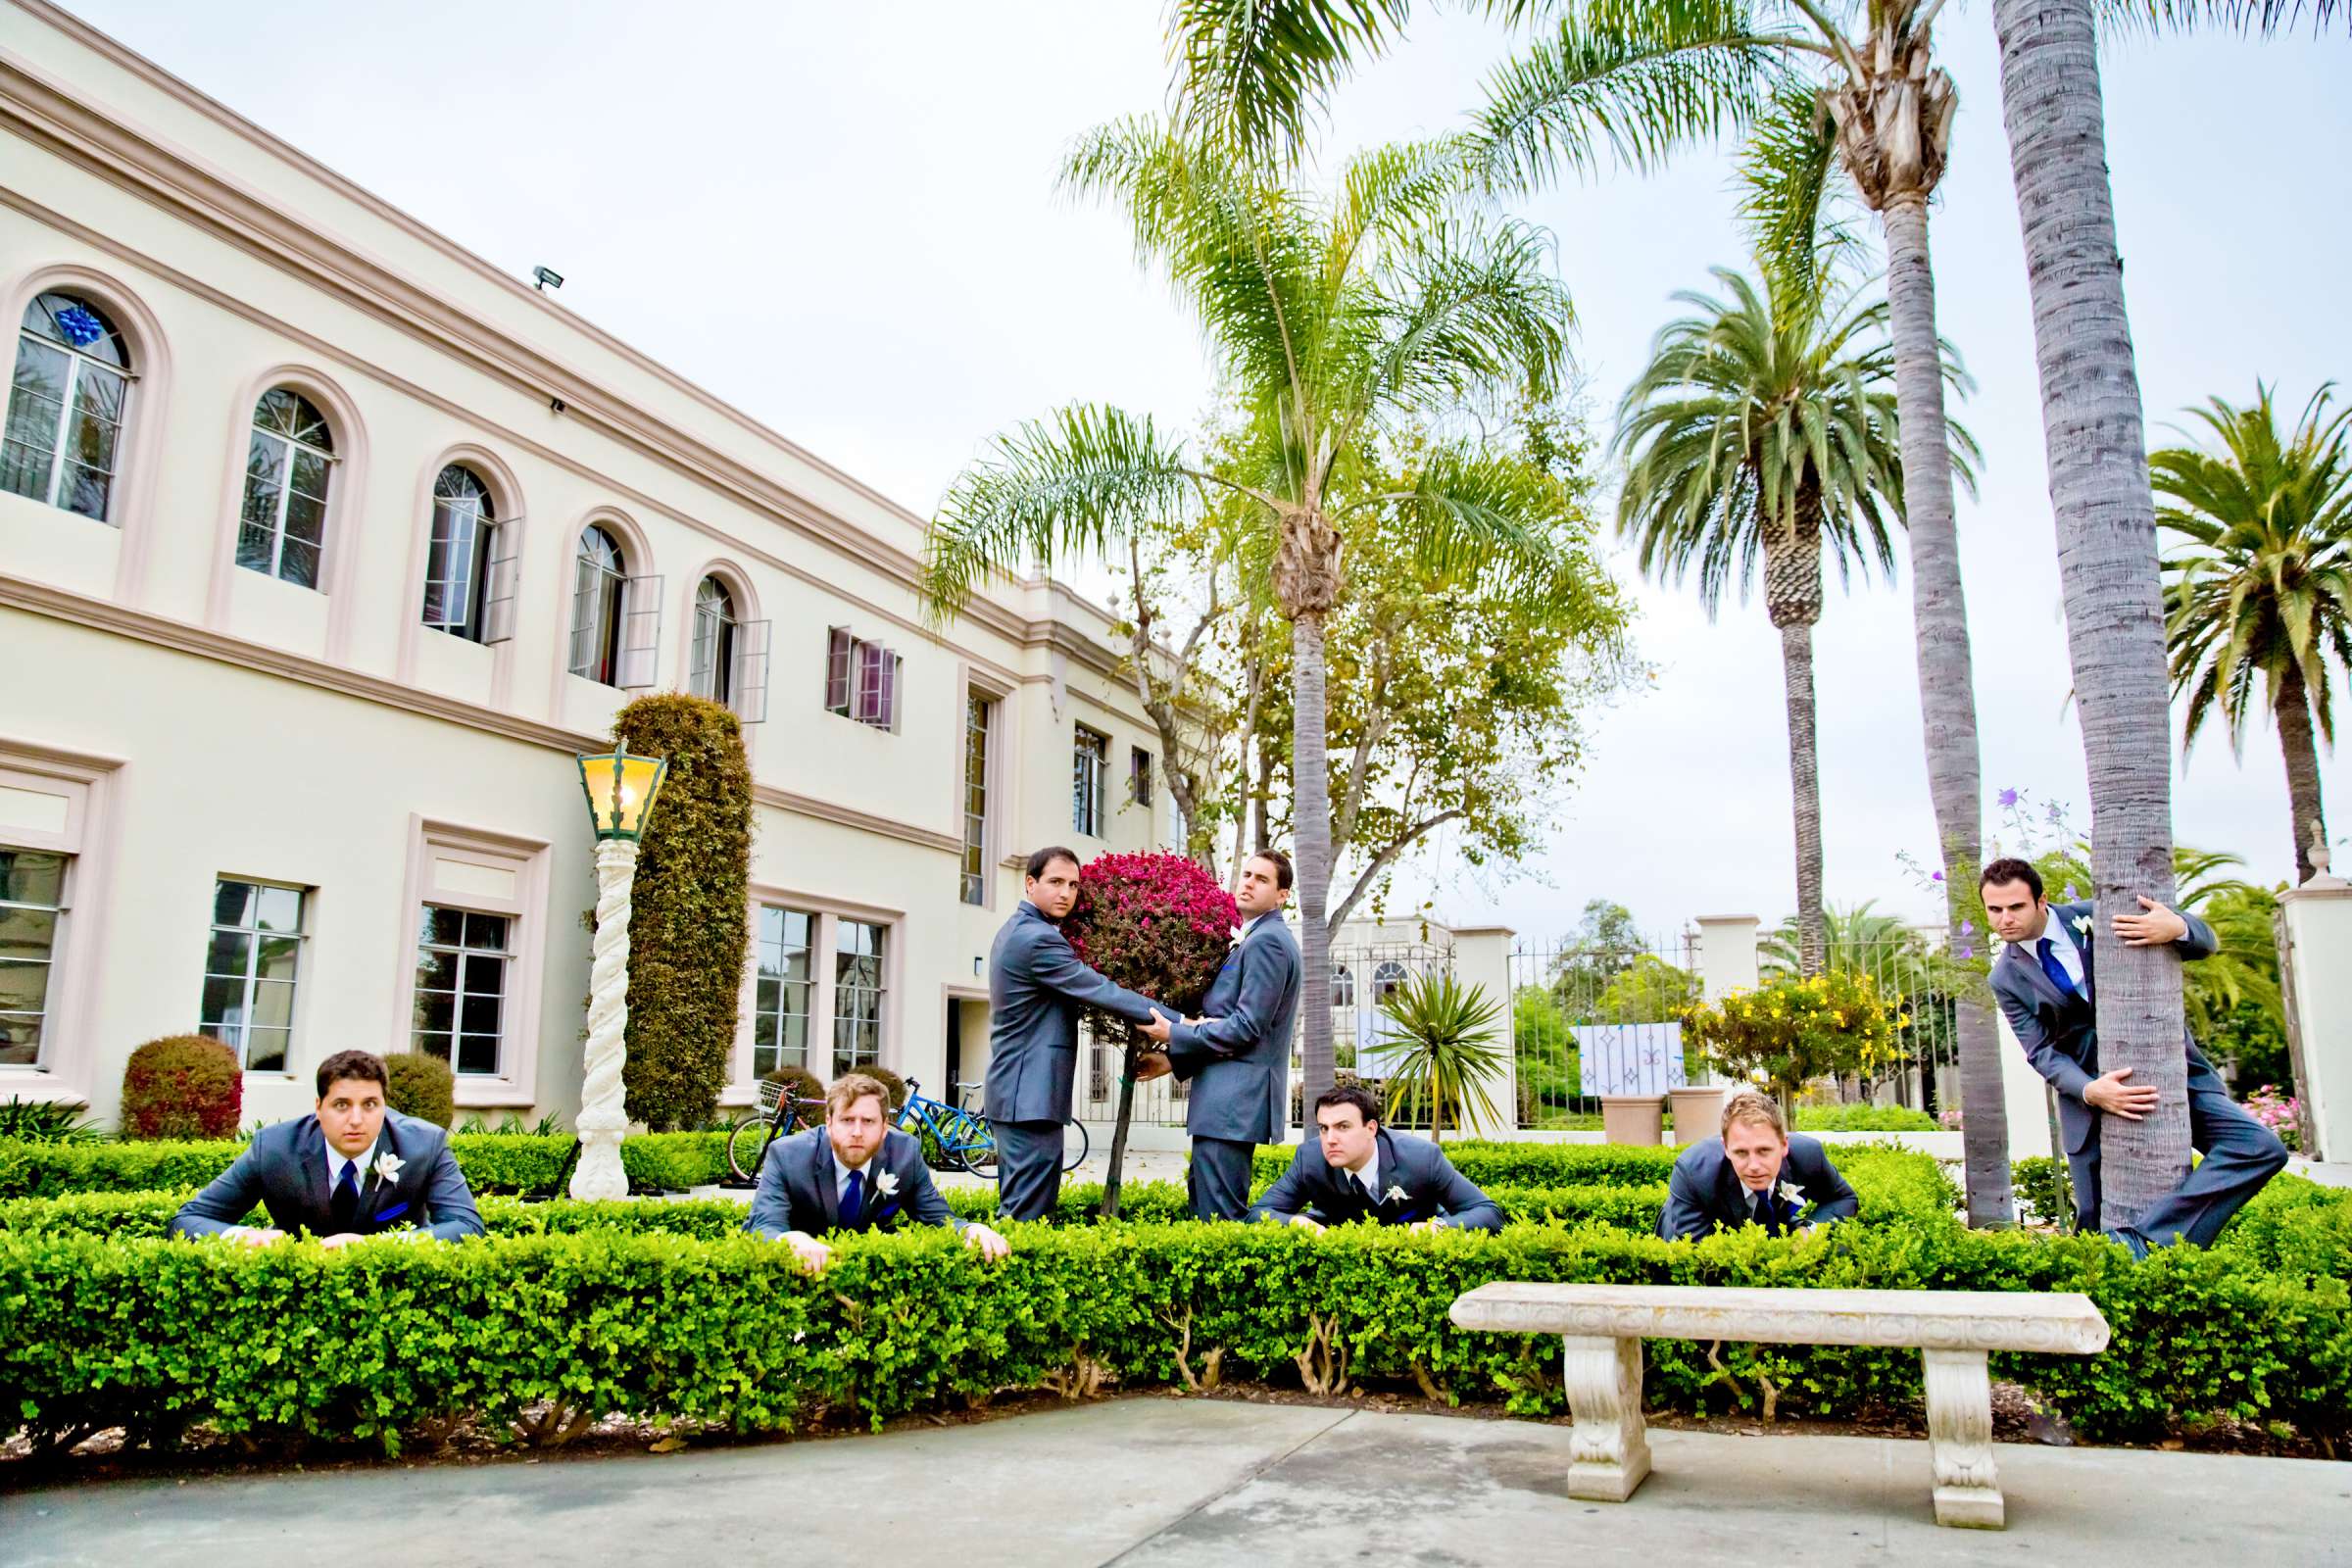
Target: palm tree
<point x="2265" y="587"/>
<point x="1336" y="324"/>
<point x="1448" y="1054"/>
<point x="1765" y="428"/>
<point x="1640" y="78"/>
<point x="2055" y="117"/>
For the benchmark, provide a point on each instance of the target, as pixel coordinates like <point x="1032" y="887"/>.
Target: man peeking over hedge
<point x="1354" y="1168"/>
<point x="349" y="1170"/>
<point x="1754" y="1173"/>
<point x="855" y="1173"/>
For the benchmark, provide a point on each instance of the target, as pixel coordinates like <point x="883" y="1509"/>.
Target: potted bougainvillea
<point x="1158" y="924"/>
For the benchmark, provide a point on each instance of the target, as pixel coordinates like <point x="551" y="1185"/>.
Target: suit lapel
<point x="309" y="1153"/>
<point x="2027" y="958"/>
<point x="828" y="1196"/>
<point x="372" y="1188"/>
<point x="1731" y="1192"/>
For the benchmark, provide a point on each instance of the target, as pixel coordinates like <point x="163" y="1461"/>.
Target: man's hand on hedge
<point x="1311" y="1227"/>
<point x="992" y="1245"/>
<point x="340" y="1239"/>
<point x="258" y="1235"/>
<point x="812" y="1253"/>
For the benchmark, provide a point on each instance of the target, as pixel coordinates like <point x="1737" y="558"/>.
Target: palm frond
<point x="1787" y="194"/>
<point x="2261" y="18"/>
<point x="1251" y="75"/>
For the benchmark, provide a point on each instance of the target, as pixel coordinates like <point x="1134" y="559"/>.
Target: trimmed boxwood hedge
<point x="492" y="1162"/>
<point x="382" y="1340"/>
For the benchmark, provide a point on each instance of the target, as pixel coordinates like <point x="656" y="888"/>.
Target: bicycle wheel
<point x="973" y="1144"/>
<point x="1073" y="1145"/>
<point x="745" y="1147"/>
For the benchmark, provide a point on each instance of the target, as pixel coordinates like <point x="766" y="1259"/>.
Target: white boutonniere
<point x="1789" y="1194"/>
<point x="2083" y="926"/>
<point x="387" y="1167"/>
<point x="1394" y="1195"/>
<point x="887" y="1184"/>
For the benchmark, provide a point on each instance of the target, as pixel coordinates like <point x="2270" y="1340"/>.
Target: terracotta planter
<point x="1633" y="1119"/>
<point x="1698" y="1111"/>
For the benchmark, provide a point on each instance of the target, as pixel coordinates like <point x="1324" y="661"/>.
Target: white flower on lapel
<point x="1789" y="1193"/>
<point x="387" y="1167"/>
<point x="887" y="1184"/>
<point x="1394" y="1195"/>
<point x="2083" y="926"/>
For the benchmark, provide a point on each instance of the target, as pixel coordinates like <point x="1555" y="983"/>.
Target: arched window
<point x="1387" y="981"/>
<point x="66" y="408"/>
<point x="469" y="567"/>
<point x="599" y="583"/>
<point x="283" y="528"/>
<point x="1342" y="986"/>
<point x="710" y="670"/>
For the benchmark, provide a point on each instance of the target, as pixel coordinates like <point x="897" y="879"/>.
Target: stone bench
<point x="1604" y="1327"/>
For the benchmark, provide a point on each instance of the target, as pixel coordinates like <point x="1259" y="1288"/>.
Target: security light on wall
<point x="547" y="277"/>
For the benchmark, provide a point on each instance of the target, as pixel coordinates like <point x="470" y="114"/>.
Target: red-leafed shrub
<point x="183" y="1086"/>
<point x="1156" y="923"/>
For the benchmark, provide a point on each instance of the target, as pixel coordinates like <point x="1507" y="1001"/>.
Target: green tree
<point x="1547" y="1056"/>
<point x="1764" y="429"/>
<point x="688" y="939"/>
<point x="1334" y="318"/>
<point x="1649" y="990"/>
<point x="1603" y="946"/>
<point x="2262" y="588"/>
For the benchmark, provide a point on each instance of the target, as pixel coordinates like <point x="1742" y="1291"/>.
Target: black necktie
<point x="853" y="1200"/>
<point x="345" y="1205"/>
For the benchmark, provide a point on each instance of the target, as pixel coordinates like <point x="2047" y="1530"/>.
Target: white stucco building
<point x="324" y="546"/>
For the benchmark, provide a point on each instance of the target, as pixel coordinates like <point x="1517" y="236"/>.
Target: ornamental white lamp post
<point x="621" y="797"/>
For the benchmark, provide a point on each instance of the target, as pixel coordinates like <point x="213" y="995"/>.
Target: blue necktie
<point x="2056" y="970"/>
<point x="345" y="1205"/>
<point x="853" y="1198"/>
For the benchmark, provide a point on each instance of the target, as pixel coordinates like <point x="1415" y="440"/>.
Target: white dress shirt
<point x="336" y="1159"/>
<point x="2062" y="943"/>
<point x="841" y="1178"/>
<point x="1369" y="1177"/>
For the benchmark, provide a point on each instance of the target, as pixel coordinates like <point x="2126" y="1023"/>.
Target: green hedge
<point x="1865" y="1119"/>
<point x="384" y="1340"/>
<point x="492" y="1162"/>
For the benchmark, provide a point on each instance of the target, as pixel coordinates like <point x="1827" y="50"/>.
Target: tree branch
<point x="1382" y="860"/>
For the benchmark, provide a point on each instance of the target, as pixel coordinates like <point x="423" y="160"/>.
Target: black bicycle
<point x="780" y="1116"/>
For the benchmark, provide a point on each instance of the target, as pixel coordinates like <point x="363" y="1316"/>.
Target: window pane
<point x="84" y="491"/>
<point x="433" y="1045"/>
<point x="24" y="987"/>
<point x="266" y="1049"/>
<point x="280" y="909"/>
<point x="278" y="958"/>
<point x="436" y="971"/>
<point x="19" y="1040"/>
<point x="273" y="1005"/>
<point x="309" y="474"/>
<point x="434" y="1011"/>
<point x="299" y="564"/>
<point x="31" y="876"/>
<point x="478" y="1054"/>
<point x="234" y="902"/>
<point x="486" y="932"/>
<point x="442" y="926"/>
<point x="28" y="932"/>
<point x="256" y="541"/>
<point x="485" y="975"/>
<point x="224" y="1002"/>
<point x="478" y="1015"/>
<point x="227" y="954"/>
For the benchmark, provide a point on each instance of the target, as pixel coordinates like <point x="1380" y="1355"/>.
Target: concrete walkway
<point x="1165" y="1482"/>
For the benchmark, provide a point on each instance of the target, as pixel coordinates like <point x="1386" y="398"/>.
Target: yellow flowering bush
<point x="1782" y="1033"/>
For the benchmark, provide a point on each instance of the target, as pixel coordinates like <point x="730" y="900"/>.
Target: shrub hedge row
<point x="384" y="1341"/>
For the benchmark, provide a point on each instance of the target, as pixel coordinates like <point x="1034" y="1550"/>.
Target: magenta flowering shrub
<point x="2278" y="1112"/>
<point x="1156" y="923"/>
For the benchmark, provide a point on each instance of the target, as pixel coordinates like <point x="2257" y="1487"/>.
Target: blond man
<point x="1756" y="1173"/>
<point x="855" y="1173"/>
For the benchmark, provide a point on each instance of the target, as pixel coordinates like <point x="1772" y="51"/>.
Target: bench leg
<point x="1608" y="1449"/>
<point x="1960" y="1440"/>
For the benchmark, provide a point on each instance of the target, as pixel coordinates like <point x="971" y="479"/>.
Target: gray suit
<point x="1706" y="1192"/>
<point x="2061" y="1039"/>
<point x="1037" y="988"/>
<point x="800" y="1187"/>
<point x="285" y="1170"/>
<point x="1423" y="1180"/>
<point x="1237" y="1061"/>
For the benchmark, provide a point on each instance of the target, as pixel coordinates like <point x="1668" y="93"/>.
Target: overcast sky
<point x="842" y="219"/>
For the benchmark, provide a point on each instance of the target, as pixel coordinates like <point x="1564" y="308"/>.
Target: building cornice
<point x="160" y="631"/>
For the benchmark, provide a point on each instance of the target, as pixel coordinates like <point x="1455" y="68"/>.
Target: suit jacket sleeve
<point x="926" y="1204"/>
<point x="224" y="1201"/>
<point x="1464" y="1206"/>
<point x="2064" y="1072"/>
<point x="1831" y="1195"/>
<point x="452" y="1201"/>
<point x="1265" y="975"/>
<point x="1056" y="967"/>
<point x="1686" y="1216"/>
<point x="2199" y="942"/>
<point x="772" y="1200"/>
<point x="1286" y="1199"/>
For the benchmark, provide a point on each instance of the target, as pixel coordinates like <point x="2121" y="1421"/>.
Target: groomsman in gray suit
<point x="1355" y="1169"/>
<point x="2045" y="984"/>
<point x="1237" y="1055"/>
<point x="1036" y="987"/>
<point x="351" y="1169"/>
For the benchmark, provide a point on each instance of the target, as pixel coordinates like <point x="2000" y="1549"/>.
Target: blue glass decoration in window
<point x="81" y="328"/>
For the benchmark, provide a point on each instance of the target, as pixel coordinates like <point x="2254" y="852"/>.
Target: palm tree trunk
<point x="1804" y="786"/>
<point x="2290" y="705"/>
<point x="1310" y="789"/>
<point x="2107" y="563"/>
<point x="1947" y="698"/>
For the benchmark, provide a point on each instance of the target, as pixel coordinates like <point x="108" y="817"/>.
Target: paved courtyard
<point x="1166" y="1482"/>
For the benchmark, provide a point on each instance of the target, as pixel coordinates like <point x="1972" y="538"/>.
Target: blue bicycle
<point x="958" y="1137"/>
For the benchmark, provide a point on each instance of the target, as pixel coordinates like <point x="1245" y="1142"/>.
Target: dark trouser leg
<point x="2084" y="1167"/>
<point x="1028" y="1168"/>
<point x="2241" y="1156"/>
<point x="1219" y="1178"/>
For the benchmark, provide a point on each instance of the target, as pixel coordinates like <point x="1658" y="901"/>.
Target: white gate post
<point x="1481" y="957"/>
<point x="2315" y="964"/>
